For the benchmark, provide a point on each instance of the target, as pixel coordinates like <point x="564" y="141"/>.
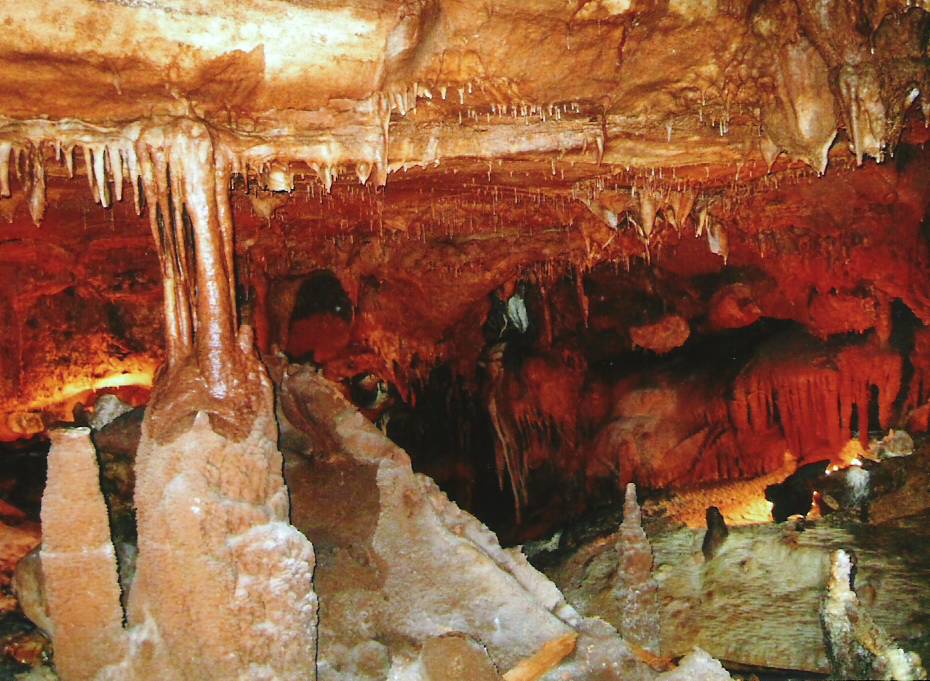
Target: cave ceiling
<point x="721" y="160"/>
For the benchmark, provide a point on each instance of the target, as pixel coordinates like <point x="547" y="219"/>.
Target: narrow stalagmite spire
<point x="635" y="588"/>
<point x="78" y="561"/>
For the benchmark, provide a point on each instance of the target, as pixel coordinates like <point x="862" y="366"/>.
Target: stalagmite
<point x="639" y="165"/>
<point x="223" y="584"/>
<point x="78" y="562"/>
<point x="857" y="646"/>
<point x="635" y="587"/>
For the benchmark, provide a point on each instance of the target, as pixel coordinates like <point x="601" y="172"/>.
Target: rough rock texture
<point x="220" y="531"/>
<point x="399" y="564"/>
<point x="857" y="647"/>
<point x="223" y="585"/>
<point x="78" y="562"/>
<point x="635" y="588"/>
<point x="29" y="586"/>
<point x="697" y="666"/>
<point x="107" y="409"/>
<point x="456" y="658"/>
<point x="757" y="602"/>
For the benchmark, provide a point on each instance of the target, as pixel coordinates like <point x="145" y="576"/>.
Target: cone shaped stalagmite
<point x="82" y="588"/>
<point x="223" y="584"/>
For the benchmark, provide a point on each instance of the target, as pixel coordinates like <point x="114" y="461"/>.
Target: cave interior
<point x="437" y="340"/>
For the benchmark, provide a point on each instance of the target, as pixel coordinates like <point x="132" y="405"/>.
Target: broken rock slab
<point x="400" y="564"/>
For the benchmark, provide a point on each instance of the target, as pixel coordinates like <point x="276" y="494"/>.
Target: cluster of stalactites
<point x="188" y="183"/>
<point x="114" y="156"/>
<point x="179" y="170"/>
<point x="652" y="208"/>
<point x="832" y="64"/>
<point x="813" y="404"/>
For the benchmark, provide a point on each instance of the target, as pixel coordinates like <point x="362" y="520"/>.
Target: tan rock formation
<point x="223" y="584"/>
<point x="79" y="563"/>
<point x="634" y="587"/>
<point x="857" y="646"/>
<point x="401" y="564"/>
<point x="223" y="587"/>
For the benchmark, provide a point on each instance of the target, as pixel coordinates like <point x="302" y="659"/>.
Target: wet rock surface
<point x="755" y="604"/>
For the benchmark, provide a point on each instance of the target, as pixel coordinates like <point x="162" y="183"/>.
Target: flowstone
<point x="399" y="564"/>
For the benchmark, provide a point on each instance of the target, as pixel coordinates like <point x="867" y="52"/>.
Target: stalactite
<point x="6" y="150"/>
<point x="37" y="186"/>
<point x="583" y="303"/>
<point x="815" y="397"/>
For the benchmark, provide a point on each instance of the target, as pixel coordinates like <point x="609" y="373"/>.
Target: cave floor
<point x="755" y="605"/>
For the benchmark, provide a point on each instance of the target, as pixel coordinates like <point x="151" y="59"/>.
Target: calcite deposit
<point x="499" y="260"/>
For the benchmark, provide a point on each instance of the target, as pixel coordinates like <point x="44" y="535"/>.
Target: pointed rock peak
<point x="770" y="150"/>
<point x="631" y="511"/>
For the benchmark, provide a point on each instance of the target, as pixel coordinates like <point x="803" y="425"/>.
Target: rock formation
<point x="858" y="648"/>
<point x="399" y="564"/>
<point x="635" y="588"/>
<point x="550" y="248"/>
<point x="716" y="533"/>
<point x="223" y="584"/>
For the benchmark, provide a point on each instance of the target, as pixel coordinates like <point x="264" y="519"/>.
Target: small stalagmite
<point x="858" y="648"/>
<point x="634" y="585"/>
<point x="78" y="561"/>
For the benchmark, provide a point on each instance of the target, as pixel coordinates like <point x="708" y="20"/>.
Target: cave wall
<point x="606" y="224"/>
<point x="648" y="362"/>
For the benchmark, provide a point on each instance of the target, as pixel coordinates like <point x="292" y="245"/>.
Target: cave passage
<point x="354" y="341"/>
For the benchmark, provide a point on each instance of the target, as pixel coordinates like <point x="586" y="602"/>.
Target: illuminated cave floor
<point x="755" y="605"/>
<point x="741" y="503"/>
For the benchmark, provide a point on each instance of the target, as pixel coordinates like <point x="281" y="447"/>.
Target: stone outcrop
<point x="857" y="646"/>
<point x="697" y="666"/>
<point x="399" y="564"/>
<point x="223" y="584"/>
<point x="79" y="563"/>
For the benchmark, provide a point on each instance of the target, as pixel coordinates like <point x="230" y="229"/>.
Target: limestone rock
<point x="456" y="658"/>
<point x="696" y="666"/>
<point x="857" y="646"/>
<point x="716" y="533"/>
<point x="663" y="336"/>
<point x="635" y="588"/>
<point x="28" y="584"/>
<point x="107" y="409"/>
<point x="895" y="443"/>
<point x="78" y="562"/>
<point x="401" y="564"/>
<point x="223" y="584"/>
